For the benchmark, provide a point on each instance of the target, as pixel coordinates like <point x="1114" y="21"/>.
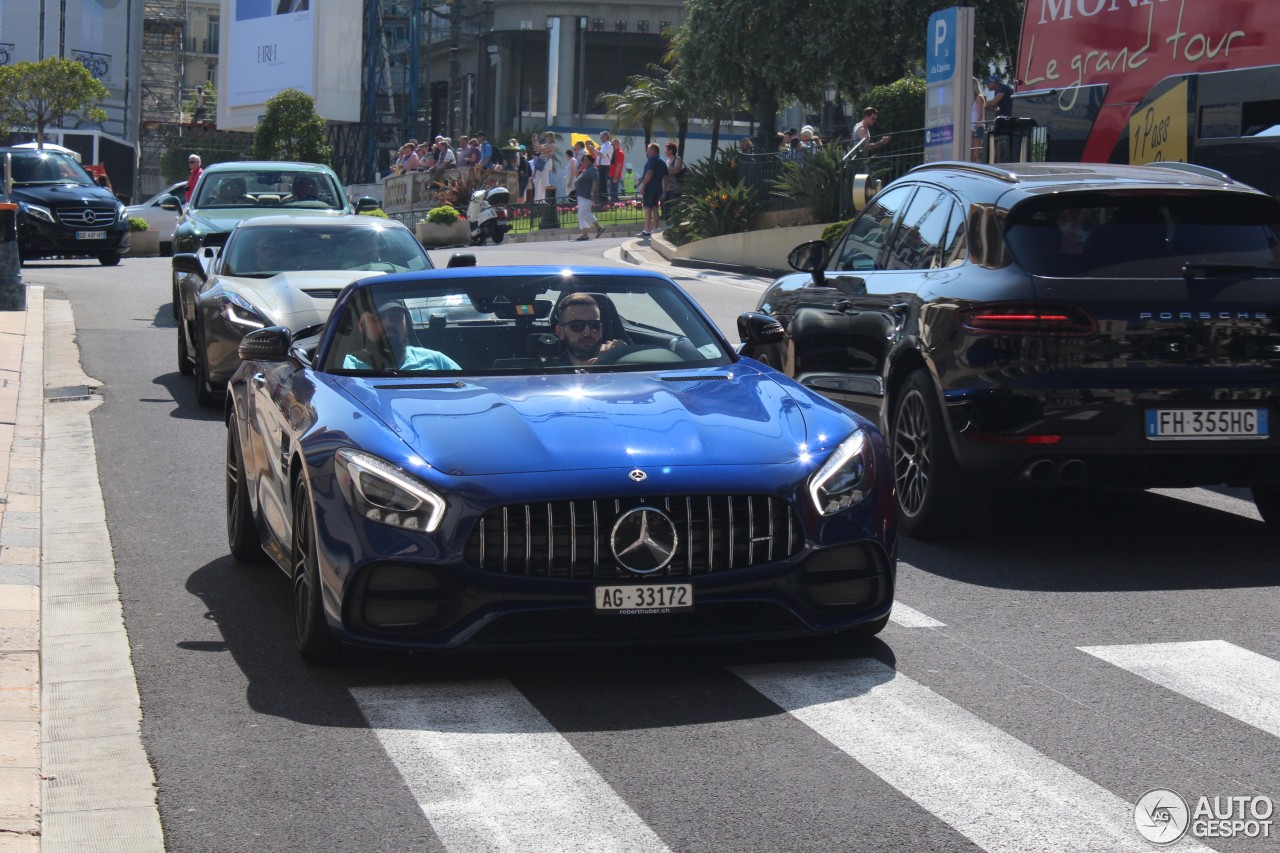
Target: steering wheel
<point x="637" y="354"/>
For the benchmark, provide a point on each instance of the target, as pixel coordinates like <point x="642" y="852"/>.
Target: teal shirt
<point x="415" y="358"/>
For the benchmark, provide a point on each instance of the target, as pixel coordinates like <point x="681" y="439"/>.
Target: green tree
<point x="635" y="106"/>
<point x="767" y="52"/>
<point x="291" y="129"/>
<point x="34" y="95"/>
<point x="900" y="104"/>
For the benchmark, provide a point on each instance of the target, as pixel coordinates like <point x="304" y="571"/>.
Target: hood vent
<point x="705" y="377"/>
<point x="420" y="386"/>
<point x="322" y="292"/>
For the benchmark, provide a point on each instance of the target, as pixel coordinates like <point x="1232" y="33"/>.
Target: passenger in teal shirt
<point x="392" y="324"/>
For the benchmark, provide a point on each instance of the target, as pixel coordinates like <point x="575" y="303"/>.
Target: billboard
<point x="270" y="48"/>
<point x="272" y="45"/>
<point x="95" y="33"/>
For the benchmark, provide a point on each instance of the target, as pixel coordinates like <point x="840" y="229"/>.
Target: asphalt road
<point x="1017" y="702"/>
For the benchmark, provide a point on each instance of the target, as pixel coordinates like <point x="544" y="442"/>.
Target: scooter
<point x="488" y="215"/>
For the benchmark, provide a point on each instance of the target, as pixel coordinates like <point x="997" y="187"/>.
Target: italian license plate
<point x="633" y="599"/>
<point x="91" y="235"/>
<point x="1168" y="424"/>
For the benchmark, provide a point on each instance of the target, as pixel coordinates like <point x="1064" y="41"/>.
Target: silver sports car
<point x="277" y="271"/>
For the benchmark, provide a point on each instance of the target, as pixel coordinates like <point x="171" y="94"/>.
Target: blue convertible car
<point x="499" y="457"/>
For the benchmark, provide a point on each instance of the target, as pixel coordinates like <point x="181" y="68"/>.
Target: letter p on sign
<point x="939" y="35"/>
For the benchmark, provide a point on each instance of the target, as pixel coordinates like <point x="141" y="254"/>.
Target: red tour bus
<point x="1134" y="81"/>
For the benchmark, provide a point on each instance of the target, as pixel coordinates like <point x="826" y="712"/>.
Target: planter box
<point x="435" y="235"/>
<point x="143" y="244"/>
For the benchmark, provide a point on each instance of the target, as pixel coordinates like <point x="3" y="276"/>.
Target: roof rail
<point x="1202" y="171"/>
<point x="982" y="168"/>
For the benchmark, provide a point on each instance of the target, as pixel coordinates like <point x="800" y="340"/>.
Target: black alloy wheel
<point x="185" y="367"/>
<point x="242" y="534"/>
<point x="924" y="472"/>
<point x="204" y="391"/>
<point x="109" y="259"/>
<point x="316" y="643"/>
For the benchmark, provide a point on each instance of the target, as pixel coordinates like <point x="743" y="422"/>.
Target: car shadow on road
<point x="183" y="391"/>
<point x="1096" y="541"/>
<point x="251" y="605"/>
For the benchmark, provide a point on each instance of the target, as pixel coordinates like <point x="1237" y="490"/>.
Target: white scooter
<point x="488" y="215"/>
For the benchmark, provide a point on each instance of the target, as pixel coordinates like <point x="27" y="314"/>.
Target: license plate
<point x="1168" y="424"/>
<point x="633" y="599"/>
<point x="91" y="235"/>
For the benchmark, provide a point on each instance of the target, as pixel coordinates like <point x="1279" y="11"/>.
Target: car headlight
<point x="41" y="213"/>
<point x="380" y="491"/>
<point x="121" y="213"/>
<point x="845" y="478"/>
<point x="239" y="311"/>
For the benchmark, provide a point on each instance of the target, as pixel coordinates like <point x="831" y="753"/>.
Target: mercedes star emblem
<point x="638" y="475"/>
<point x="644" y="540"/>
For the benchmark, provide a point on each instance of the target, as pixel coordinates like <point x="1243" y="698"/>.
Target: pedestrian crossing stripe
<point x="1223" y="676"/>
<point x="991" y="787"/>
<point x="491" y="773"/>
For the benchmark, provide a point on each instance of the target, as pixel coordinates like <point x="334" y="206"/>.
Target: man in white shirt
<point x="604" y="158"/>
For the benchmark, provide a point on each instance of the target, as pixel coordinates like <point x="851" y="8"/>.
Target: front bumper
<point x="41" y="239"/>
<point x="419" y="605"/>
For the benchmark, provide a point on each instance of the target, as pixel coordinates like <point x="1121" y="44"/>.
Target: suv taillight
<point x="1018" y="318"/>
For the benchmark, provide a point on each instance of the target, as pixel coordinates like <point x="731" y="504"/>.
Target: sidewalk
<point x="21" y="436"/>
<point x="73" y="772"/>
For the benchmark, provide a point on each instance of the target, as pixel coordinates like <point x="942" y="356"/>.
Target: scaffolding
<point x="164" y="27"/>
<point x="389" y="107"/>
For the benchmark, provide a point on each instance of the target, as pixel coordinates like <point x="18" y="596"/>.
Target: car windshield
<point x="520" y="324"/>
<point x="48" y="167"/>
<point x="288" y="190"/>
<point x="1143" y="236"/>
<point x="261" y="251"/>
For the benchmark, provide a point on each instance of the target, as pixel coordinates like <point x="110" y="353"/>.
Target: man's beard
<point x="584" y="353"/>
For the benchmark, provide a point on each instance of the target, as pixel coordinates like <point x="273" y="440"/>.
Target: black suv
<point x="1048" y="324"/>
<point x="62" y="212"/>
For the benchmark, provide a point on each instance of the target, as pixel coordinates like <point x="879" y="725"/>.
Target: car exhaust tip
<point x="1072" y="472"/>
<point x="1040" y="472"/>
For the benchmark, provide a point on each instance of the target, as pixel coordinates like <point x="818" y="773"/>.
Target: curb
<point x="656" y="250"/>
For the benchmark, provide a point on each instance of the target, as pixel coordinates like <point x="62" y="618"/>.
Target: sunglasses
<point x="576" y="326"/>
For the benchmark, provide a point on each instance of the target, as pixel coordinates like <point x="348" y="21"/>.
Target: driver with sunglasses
<point x="580" y="329"/>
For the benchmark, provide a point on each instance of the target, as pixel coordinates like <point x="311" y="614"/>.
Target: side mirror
<point x="186" y="262"/>
<point x="269" y="344"/>
<point x="759" y="329"/>
<point x="367" y="203"/>
<point x="810" y="257"/>
<point x="462" y="259"/>
<point x="171" y="203"/>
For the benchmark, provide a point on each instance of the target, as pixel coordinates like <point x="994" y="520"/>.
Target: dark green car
<point x="226" y="193"/>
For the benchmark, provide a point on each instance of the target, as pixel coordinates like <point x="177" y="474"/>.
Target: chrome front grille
<point x="572" y="539"/>
<point x="86" y="217"/>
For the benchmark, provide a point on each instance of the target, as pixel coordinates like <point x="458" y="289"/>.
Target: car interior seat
<point x="610" y="320"/>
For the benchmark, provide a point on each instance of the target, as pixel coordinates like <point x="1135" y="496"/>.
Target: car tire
<point x="204" y="391"/>
<point x="185" y="367"/>
<point x="109" y="259"/>
<point x="870" y="629"/>
<point x="926" y="477"/>
<point x="1267" y="500"/>
<point x="242" y="534"/>
<point x="316" y="642"/>
<point x="176" y="304"/>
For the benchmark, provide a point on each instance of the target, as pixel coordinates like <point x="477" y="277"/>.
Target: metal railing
<point x="559" y="213"/>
